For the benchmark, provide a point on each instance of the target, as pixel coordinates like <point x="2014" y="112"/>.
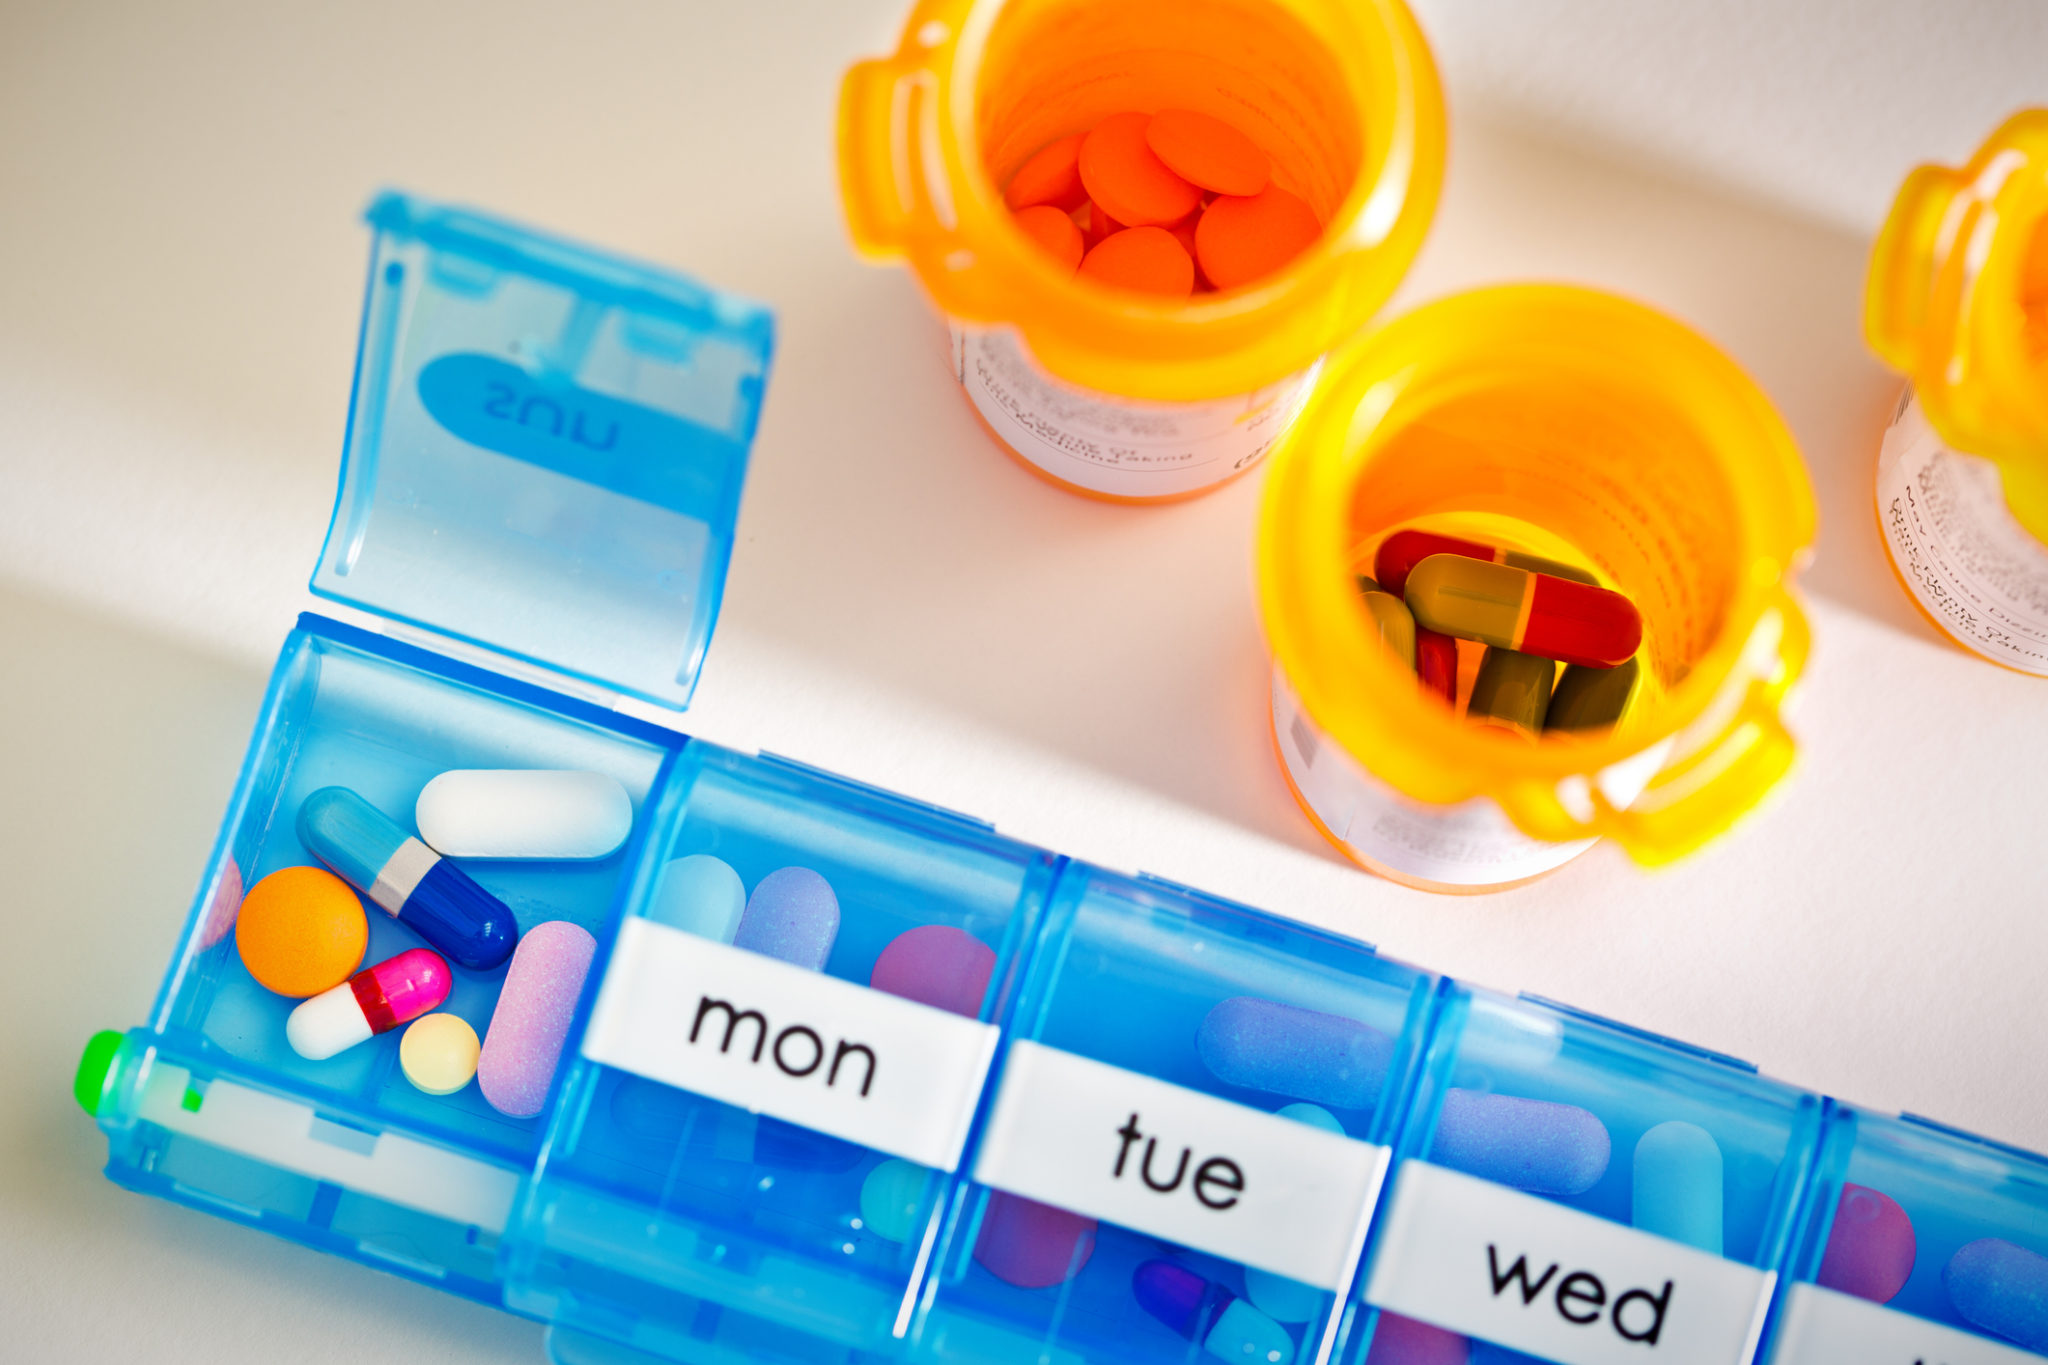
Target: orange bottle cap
<point x="1124" y="176"/>
<point x="1053" y="230"/>
<point x="1208" y="152"/>
<point x="1145" y="259"/>
<point x="1051" y="176"/>
<point x="1244" y="239"/>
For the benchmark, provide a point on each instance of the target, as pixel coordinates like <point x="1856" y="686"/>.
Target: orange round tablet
<point x="301" y="931"/>
<point x="1124" y="176"/>
<point x="1052" y="229"/>
<point x="1051" y="176"/>
<point x="1207" y="152"/>
<point x="1244" y="239"/>
<point x="1144" y="259"/>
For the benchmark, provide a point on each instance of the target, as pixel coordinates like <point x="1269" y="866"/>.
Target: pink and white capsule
<point x="375" y="1000"/>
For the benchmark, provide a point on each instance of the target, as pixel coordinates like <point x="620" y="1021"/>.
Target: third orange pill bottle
<point x="1104" y="392"/>
<point x="1957" y="300"/>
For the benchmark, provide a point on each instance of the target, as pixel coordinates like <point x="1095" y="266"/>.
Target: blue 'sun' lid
<point x="545" y="449"/>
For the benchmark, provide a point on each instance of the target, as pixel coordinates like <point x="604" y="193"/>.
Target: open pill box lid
<point x="545" y="451"/>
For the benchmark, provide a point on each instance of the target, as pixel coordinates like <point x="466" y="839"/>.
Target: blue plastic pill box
<point x="1979" y="1222"/>
<point x="1172" y="1128"/>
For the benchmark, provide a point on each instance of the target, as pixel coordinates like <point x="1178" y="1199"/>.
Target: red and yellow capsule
<point x="1531" y="613"/>
<point x="1400" y="552"/>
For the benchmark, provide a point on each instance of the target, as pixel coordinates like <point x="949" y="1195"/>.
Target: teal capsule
<point x="1677" y="1180"/>
<point x="1592" y="698"/>
<point x="1512" y="691"/>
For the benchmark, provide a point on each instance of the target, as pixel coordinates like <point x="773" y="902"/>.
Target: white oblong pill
<point x="524" y="813"/>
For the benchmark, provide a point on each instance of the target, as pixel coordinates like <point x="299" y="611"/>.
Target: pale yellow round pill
<point x="439" y="1052"/>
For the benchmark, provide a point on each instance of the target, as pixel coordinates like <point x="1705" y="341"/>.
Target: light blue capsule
<point x="1677" y="1178"/>
<point x="1245" y="1335"/>
<point x="700" y="895"/>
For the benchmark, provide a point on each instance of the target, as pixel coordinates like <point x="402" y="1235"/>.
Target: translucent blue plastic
<point x="707" y="1228"/>
<point x="1957" y="1192"/>
<point x="545" y="450"/>
<point x="1131" y="970"/>
<point x="1554" y="1102"/>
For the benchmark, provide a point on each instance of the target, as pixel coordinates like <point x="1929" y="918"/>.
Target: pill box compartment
<point x="1148" y="978"/>
<point x="542" y="470"/>
<point x="696" y="1230"/>
<point x="1524" y="1106"/>
<point x="1893" y="1206"/>
<point x="346" y="1153"/>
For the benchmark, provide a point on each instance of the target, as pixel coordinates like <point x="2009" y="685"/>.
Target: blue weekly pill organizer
<point x="1153" y="1126"/>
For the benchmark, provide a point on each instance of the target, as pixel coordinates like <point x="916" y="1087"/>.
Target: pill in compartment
<point x="1870" y="1247"/>
<point x="419" y="888"/>
<point x="792" y="916"/>
<point x="1205" y="1312"/>
<point x="373" y="1001"/>
<point x="1032" y="1245"/>
<point x="1539" y="1146"/>
<point x="1677" y="1185"/>
<point x="2001" y="1287"/>
<point x="524" y="813"/>
<point x="536" y="1003"/>
<point x="301" y="931"/>
<point x="1286" y="1050"/>
<point x="699" y="894"/>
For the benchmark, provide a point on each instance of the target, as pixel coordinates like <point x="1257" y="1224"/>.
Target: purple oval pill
<point x="2001" y="1288"/>
<point x="1870" y="1246"/>
<point x="792" y="915"/>
<point x="1286" y="1050"/>
<point x="1534" y="1145"/>
<point x="1032" y="1245"/>
<point x="1404" y="1341"/>
<point x="937" y="965"/>
<point x="531" y="1021"/>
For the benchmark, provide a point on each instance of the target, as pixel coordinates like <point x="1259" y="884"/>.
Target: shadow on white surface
<point x="119" y="751"/>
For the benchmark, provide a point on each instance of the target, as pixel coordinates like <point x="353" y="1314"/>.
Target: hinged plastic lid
<point x="545" y="449"/>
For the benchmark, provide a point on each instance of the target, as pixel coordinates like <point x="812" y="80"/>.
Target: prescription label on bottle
<point x="737" y="1026"/>
<point x="1820" y="1326"/>
<point x="1123" y="447"/>
<point x="1471" y="1256"/>
<point x="1270" y="1192"/>
<point x="1469" y="844"/>
<point x="1972" y="567"/>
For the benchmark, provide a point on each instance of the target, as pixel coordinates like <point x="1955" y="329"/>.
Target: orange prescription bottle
<point x="1561" y="422"/>
<point x="1107" y="393"/>
<point x="1957" y="300"/>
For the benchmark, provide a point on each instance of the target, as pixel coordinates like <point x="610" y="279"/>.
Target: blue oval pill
<point x="1534" y="1145"/>
<point x="2001" y="1287"/>
<point x="792" y="915"/>
<point x="1286" y="1050"/>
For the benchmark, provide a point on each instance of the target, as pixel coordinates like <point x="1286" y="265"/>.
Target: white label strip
<point x="279" y="1132"/>
<point x="1219" y="1177"/>
<point x="874" y="1069"/>
<point x="1474" y="1257"/>
<point x="1822" y="1327"/>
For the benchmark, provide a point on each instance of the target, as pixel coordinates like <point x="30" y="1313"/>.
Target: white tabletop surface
<point x="180" y="272"/>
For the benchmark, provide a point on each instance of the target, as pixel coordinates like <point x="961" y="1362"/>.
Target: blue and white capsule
<point x="407" y="880"/>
